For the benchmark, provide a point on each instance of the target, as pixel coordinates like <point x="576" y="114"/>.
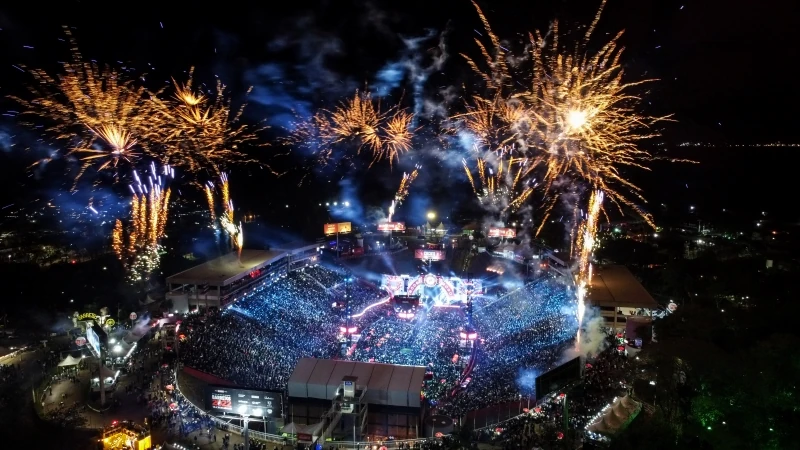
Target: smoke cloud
<point x="413" y="67"/>
<point x="289" y="90"/>
<point x="593" y="338"/>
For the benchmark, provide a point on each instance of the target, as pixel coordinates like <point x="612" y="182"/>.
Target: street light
<point x="431" y="215"/>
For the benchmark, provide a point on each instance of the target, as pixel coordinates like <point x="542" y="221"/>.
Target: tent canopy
<point x="69" y="361"/>
<point x="616" y="416"/>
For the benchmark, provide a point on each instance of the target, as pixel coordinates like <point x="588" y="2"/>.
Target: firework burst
<point x="588" y="126"/>
<point x="202" y="132"/>
<point x="568" y="113"/>
<point x="502" y="183"/>
<point x="106" y="119"/>
<point x="137" y="245"/>
<point x="360" y="122"/>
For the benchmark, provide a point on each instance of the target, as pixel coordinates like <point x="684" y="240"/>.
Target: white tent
<point x="615" y="416"/>
<point x="69" y="361"/>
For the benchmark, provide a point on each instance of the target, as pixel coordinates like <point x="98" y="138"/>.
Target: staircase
<point x="332" y="422"/>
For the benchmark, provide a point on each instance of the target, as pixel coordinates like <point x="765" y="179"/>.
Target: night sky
<point x="726" y="71"/>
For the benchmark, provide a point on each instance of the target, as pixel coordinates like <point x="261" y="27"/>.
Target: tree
<point x="740" y="376"/>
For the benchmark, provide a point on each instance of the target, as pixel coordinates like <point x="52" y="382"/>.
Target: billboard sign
<point x="429" y="255"/>
<point x="89" y="316"/>
<point x="509" y="233"/>
<point x="334" y="228"/>
<point x="93" y="339"/>
<point x="392" y="226"/>
<point x="220" y="399"/>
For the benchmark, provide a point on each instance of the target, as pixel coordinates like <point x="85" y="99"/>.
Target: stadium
<point x="421" y="328"/>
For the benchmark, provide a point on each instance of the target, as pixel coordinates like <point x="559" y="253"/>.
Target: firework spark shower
<point x="138" y="245"/>
<point x="226" y="218"/>
<point x="559" y="112"/>
<point x="567" y="114"/>
<point x="110" y="121"/>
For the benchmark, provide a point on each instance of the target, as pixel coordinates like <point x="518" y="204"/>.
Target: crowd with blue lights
<point x="257" y="341"/>
<point x="524" y="332"/>
<point x="607" y="375"/>
<point x="430" y="339"/>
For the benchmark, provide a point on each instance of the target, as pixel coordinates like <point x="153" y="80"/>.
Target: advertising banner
<point x="392" y="226"/>
<point x="429" y="255"/>
<point x="333" y="228"/>
<point x="221" y="399"/>
<point x="94" y="340"/>
<point x="344" y="227"/>
<point x="502" y="232"/>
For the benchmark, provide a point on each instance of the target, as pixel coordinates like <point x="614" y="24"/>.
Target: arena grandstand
<point x="308" y="324"/>
<point x="216" y="283"/>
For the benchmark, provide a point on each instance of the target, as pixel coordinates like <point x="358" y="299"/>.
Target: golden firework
<point x="148" y="219"/>
<point x="405" y="184"/>
<point x="104" y="116"/>
<point x="568" y="112"/>
<point x="504" y="185"/>
<point x="210" y="200"/>
<point x="587" y="233"/>
<point x="120" y="148"/>
<point x="203" y="132"/>
<point x="227" y="203"/>
<point x="361" y="122"/>
<point x="226" y="218"/>
<point x="402" y="190"/>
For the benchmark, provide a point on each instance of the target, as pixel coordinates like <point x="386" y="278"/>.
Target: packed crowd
<point x="265" y="334"/>
<point x="360" y="294"/>
<point x="524" y="333"/>
<point x="606" y="376"/>
<point x="430" y="340"/>
<point x="299" y="315"/>
<point x="327" y="278"/>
